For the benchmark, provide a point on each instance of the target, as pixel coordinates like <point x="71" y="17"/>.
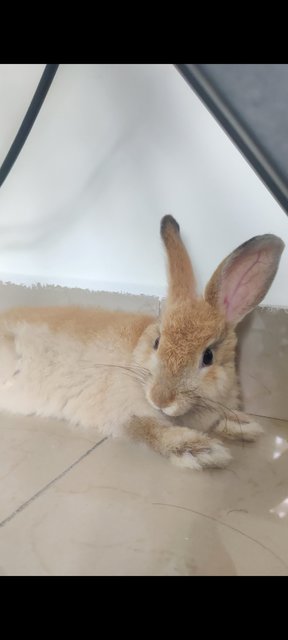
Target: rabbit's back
<point x="69" y="362"/>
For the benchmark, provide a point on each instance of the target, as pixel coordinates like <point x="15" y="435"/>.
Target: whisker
<point x="134" y="371"/>
<point x="214" y="405"/>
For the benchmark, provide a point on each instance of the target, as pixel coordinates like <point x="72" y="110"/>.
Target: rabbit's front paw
<point x="198" y="452"/>
<point x="240" y="429"/>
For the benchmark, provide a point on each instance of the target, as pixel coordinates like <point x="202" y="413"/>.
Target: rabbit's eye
<point x="207" y="358"/>
<point x="156" y="343"/>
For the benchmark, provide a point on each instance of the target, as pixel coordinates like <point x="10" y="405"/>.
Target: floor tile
<point x="123" y="510"/>
<point x="33" y="451"/>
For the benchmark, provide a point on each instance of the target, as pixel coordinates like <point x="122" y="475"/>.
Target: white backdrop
<point x="113" y="149"/>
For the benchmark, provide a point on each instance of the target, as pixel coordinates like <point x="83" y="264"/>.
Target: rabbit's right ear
<point x="244" y="277"/>
<point x="181" y="281"/>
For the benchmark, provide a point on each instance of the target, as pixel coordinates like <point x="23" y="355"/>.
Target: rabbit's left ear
<point x="244" y="277"/>
<point x="181" y="281"/>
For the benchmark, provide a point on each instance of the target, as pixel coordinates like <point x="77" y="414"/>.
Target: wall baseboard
<point x="14" y="295"/>
<point x="262" y="348"/>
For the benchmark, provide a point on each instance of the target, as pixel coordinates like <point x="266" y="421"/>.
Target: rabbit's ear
<point x="244" y="277"/>
<point x="181" y="282"/>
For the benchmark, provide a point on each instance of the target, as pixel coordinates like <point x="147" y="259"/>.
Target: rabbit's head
<point x="190" y="355"/>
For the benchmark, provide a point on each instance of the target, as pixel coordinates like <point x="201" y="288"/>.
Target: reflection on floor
<point x="72" y="503"/>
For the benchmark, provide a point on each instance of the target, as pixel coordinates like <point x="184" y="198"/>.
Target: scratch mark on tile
<point x="224" y="524"/>
<point x="237" y="511"/>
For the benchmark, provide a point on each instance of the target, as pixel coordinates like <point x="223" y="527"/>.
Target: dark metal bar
<point x="29" y="119"/>
<point x="250" y="102"/>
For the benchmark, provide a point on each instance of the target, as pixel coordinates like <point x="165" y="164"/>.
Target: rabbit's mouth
<point x="175" y="410"/>
<point x="171" y="407"/>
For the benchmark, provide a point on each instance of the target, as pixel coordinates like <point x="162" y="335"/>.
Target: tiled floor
<point x="72" y="504"/>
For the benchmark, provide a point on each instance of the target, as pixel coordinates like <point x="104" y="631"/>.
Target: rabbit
<point x="169" y="382"/>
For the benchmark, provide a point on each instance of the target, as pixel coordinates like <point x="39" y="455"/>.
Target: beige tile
<point x="123" y="510"/>
<point x="33" y="451"/>
<point x="263" y="362"/>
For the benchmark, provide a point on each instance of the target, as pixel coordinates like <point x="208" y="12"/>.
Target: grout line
<point x="39" y="493"/>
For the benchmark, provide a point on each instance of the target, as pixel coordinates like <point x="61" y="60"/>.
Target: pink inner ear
<point x="243" y="284"/>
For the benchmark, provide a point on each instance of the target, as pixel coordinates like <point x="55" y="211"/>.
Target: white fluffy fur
<point x="56" y="375"/>
<point x="218" y="456"/>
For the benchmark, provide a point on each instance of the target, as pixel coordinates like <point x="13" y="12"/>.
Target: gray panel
<point x="251" y="103"/>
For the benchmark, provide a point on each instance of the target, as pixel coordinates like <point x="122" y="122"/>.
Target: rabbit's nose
<point x="160" y="397"/>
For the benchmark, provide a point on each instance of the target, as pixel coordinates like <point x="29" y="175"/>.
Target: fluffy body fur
<point x="96" y="368"/>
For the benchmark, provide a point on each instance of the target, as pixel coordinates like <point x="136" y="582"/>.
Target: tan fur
<point x="97" y="368"/>
<point x="187" y="329"/>
<point x="82" y="323"/>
